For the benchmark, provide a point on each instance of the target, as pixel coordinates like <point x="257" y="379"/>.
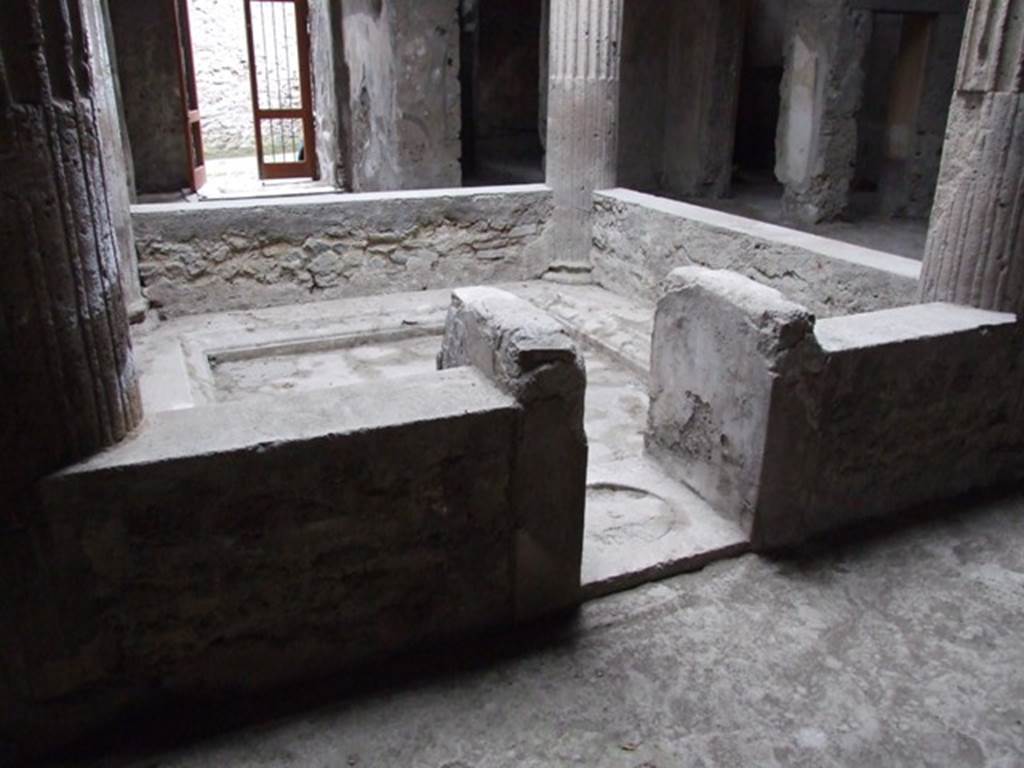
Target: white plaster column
<point x="975" y="250"/>
<point x="583" y="112"/>
<point x="69" y="386"/>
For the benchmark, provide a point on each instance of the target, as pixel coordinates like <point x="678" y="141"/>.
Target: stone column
<point x="822" y="91"/>
<point x="69" y="386"/>
<point x="116" y="154"/>
<point x="583" y="113"/>
<point x="975" y="250"/>
<point x="705" y="56"/>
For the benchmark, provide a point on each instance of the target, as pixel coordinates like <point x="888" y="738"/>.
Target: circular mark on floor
<point x="620" y="514"/>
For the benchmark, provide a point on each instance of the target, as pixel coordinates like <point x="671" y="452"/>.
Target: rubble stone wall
<point x="639" y="239"/>
<point x="239" y="255"/>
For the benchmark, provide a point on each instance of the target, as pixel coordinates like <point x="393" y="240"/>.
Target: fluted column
<point x="975" y="250"/>
<point x="583" y="111"/>
<point x="67" y="378"/>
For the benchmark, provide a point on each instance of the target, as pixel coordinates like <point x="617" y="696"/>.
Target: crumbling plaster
<point x="680" y="81"/>
<point x="151" y="93"/>
<point x="402" y="61"/>
<point x="114" y="145"/>
<point x="908" y="188"/>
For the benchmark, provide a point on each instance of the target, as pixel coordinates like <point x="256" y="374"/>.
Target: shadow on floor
<point x="175" y="725"/>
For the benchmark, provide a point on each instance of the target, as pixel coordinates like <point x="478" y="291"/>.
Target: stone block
<point x="911" y="405"/>
<point x="720" y="344"/>
<point x="529" y="354"/>
<point x="795" y="427"/>
<point x="247" y="545"/>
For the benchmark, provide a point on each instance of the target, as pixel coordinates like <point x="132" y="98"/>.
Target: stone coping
<point x="341" y="198"/>
<point x="268" y="422"/>
<point x="904" y="324"/>
<point x="827" y="247"/>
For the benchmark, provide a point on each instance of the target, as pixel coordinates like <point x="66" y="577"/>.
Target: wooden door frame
<point x="307" y="168"/>
<point x="191" y="125"/>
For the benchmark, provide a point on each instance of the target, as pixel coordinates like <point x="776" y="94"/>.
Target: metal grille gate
<point x="278" y="40"/>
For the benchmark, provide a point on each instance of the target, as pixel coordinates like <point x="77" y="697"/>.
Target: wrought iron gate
<point x="278" y="39"/>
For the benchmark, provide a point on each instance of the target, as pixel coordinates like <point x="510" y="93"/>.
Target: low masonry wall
<point x="640" y="238"/>
<point x="246" y="545"/>
<point x="794" y="426"/>
<point x="242" y="546"/>
<point x="245" y="254"/>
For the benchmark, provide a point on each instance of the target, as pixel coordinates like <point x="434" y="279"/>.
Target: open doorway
<point x="754" y="184"/>
<point x="252" y="70"/>
<point x="500" y="77"/>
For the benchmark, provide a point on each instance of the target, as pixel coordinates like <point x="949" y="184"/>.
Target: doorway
<point x="253" y="79"/>
<point x="500" y="48"/>
<point x="277" y="33"/>
<point x="757" y="116"/>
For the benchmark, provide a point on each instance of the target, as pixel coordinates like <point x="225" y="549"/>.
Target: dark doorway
<point x="759" y="103"/>
<point x="501" y="92"/>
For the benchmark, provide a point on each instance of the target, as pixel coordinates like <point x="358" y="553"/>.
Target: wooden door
<point x="282" y="97"/>
<point x="189" y="95"/>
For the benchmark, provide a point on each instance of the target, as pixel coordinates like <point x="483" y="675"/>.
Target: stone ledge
<point x="915" y="323"/>
<point x="339" y="198"/>
<point x="773" y="233"/>
<point x="268" y="422"/>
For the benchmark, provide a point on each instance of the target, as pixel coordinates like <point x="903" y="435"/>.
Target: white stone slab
<point x="890" y="326"/>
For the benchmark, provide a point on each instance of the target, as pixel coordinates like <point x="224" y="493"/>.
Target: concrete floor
<point x="904" y="649"/>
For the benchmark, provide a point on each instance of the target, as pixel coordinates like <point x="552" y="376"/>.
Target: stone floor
<point x="903" y="649"/>
<point x="229" y="177"/>
<point x="640" y="523"/>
